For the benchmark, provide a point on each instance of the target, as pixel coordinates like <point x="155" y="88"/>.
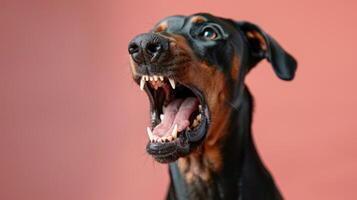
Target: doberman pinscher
<point x="192" y="69"/>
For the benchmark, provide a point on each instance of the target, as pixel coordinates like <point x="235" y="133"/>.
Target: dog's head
<point x="191" y="68"/>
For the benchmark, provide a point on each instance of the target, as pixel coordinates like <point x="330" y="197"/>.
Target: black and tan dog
<point x="192" y="69"/>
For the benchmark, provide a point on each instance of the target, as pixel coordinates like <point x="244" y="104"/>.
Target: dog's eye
<point x="209" y="33"/>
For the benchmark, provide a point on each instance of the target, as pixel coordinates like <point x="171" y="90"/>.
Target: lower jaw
<point x="182" y="146"/>
<point x="169" y="151"/>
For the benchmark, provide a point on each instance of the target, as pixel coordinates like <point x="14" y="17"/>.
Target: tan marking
<point x="179" y="43"/>
<point x="183" y="164"/>
<point x="235" y="67"/>
<point x="256" y="35"/>
<point x="194" y="167"/>
<point x="162" y="27"/>
<point x="198" y="19"/>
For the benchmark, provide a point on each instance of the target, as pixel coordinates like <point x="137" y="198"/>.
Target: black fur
<point x="243" y="176"/>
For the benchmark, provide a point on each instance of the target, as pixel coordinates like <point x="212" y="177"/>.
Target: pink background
<point x="72" y="123"/>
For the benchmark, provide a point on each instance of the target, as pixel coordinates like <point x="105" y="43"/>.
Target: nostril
<point x="133" y="48"/>
<point x="153" y="48"/>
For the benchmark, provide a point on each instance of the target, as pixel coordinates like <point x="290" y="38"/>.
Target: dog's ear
<point x="264" y="46"/>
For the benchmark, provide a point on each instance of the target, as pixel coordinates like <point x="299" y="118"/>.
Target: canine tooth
<point x="195" y="123"/>
<point x="199" y="117"/>
<point x="150" y="134"/>
<point x="162" y="117"/>
<point x="156" y="138"/>
<point x="165" y="139"/>
<point x="200" y="108"/>
<point x="142" y="83"/>
<point x="172" y="83"/>
<point x="155" y="78"/>
<point x="174" y="132"/>
<point x="161" y="78"/>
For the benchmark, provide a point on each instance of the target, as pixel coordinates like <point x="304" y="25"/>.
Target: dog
<point x="192" y="68"/>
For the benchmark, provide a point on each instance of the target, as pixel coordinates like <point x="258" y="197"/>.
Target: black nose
<point x="148" y="48"/>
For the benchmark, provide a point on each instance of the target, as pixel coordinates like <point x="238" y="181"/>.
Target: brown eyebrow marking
<point x="198" y="19"/>
<point x="162" y="27"/>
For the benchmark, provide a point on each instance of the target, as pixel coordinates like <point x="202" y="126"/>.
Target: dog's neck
<point x="197" y="176"/>
<point x="242" y="174"/>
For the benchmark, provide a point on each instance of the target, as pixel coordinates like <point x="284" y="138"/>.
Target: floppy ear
<point x="264" y="46"/>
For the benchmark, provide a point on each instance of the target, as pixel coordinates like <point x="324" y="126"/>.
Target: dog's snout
<point x="148" y="48"/>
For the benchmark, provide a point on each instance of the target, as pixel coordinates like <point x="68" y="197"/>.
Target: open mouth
<point x="179" y="117"/>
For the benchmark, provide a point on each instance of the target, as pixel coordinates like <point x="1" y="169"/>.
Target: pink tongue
<point x="177" y="112"/>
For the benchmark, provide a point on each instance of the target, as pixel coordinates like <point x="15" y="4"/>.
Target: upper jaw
<point x="156" y="81"/>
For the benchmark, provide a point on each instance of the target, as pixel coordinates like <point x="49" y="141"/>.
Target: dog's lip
<point x="196" y="136"/>
<point x="169" y="69"/>
<point x="169" y="152"/>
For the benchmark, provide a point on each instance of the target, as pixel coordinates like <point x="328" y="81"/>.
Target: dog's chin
<point x="170" y="151"/>
<point x="182" y="146"/>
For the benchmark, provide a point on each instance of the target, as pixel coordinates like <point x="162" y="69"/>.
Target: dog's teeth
<point x="150" y="134"/>
<point x="151" y="78"/>
<point x="199" y="117"/>
<point x="162" y="117"/>
<point x="166" y="139"/>
<point x="195" y="123"/>
<point x="172" y="83"/>
<point x="142" y="83"/>
<point x="200" y="108"/>
<point x="161" y="78"/>
<point x="155" y="138"/>
<point x="156" y="78"/>
<point x="169" y="138"/>
<point x="174" y="132"/>
<point x="146" y="78"/>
